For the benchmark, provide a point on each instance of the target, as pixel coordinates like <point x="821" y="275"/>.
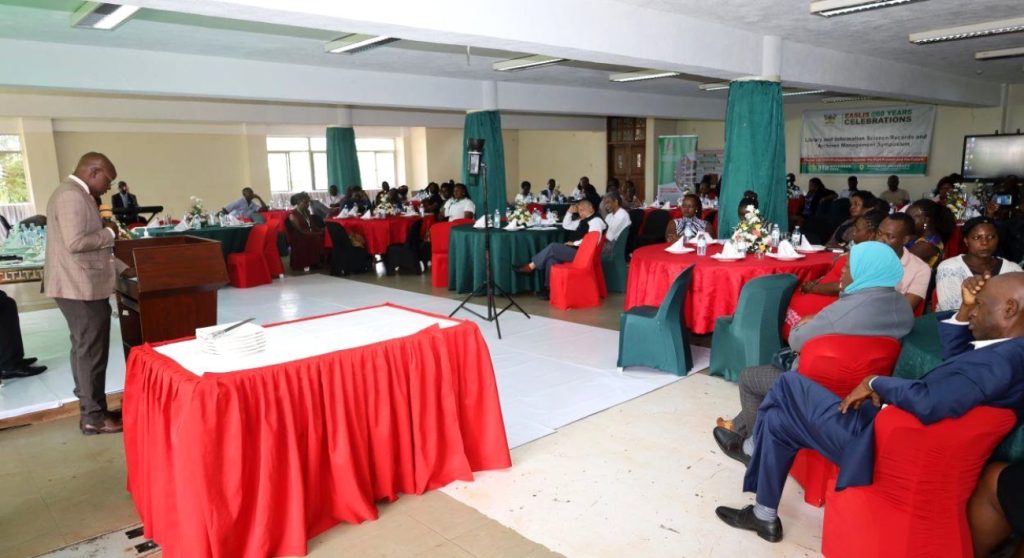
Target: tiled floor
<point x="641" y="478"/>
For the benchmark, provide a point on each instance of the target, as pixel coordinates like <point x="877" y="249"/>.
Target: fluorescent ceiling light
<point x="641" y="75"/>
<point x="101" y="15"/>
<point x="718" y="86"/>
<point x="525" y="62"/>
<point x="1000" y="53"/>
<point x="356" y="42"/>
<point x="846" y="99"/>
<point x="828" y="8"/>
<point x="798" y="93"/>
<point x="997" y="27"/>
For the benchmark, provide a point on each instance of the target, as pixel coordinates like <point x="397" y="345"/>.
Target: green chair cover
<point x="614" y="264"/>
<point x="655" y="337"/>
<point x="752" y="336"/>
<point x="922" y="351"/>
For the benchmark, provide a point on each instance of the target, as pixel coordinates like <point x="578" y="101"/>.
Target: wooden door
<point x="627" y="152"/>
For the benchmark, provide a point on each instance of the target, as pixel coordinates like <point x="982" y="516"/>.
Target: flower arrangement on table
<point x="520" y="216"/>
<point x="956" y="200"/>
<point x="752" y="234"/>
<point x="195" y="206"/>
<point x="384" y="208"/>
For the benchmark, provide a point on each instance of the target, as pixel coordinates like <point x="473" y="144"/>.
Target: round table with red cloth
<point x="715" y="289"/>
<point x="254" y="463"/>
<point x="379" y="233"/>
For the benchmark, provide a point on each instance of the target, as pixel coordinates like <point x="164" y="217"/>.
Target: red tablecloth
<point x="275" y="214"/>
<point x="716" y="285"/>
<point x="379" y="233"/>
<point x="254" y="463"/>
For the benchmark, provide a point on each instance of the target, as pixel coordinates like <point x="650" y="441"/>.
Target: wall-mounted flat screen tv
<point x="992" y="157"/>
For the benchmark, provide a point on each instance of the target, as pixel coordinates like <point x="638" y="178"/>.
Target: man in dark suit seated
<point x="986" y="368"/>
<point x="124" y="199"/>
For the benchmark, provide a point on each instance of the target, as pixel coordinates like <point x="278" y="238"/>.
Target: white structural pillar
<point x="771" y="58"/>
<point x="489" y="91"/>
<point x="345" y="117"/>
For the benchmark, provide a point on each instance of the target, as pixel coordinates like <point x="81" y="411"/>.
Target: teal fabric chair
<point x="752" y="335"/>
<point x="655" y="337"/>
<point x="614" y="264"/>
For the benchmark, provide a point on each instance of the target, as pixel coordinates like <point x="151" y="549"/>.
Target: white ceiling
<point x="717" y="39"/>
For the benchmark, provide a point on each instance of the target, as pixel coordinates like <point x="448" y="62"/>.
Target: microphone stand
<point x="488" y="287"/>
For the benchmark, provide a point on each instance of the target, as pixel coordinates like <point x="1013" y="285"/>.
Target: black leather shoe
<point x="27" y="361"/>
<point x="731" y="444"/>
<point x="23" y="372"/>
<point x="108" y="425"/>
<point x="770" y="531"/>
<point x="524" y="269"/>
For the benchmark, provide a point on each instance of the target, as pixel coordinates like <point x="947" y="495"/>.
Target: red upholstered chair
<point x="838" y="363"/>
<point x="270" y="252"/>
<point x="917" y="504"/>
<point x="577" y="284"/>
<point x="439" y="233"/>
<point x="956" y="244"/>
<point x="249" y="268"/>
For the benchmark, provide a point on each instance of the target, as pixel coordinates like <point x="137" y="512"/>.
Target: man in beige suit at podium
<point x="79" y="274"/>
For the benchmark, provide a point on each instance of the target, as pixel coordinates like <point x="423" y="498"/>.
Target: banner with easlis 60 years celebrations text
<point x="880" y="140"/>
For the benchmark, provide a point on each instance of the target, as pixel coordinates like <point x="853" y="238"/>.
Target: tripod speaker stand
<point x="488" y="288"/>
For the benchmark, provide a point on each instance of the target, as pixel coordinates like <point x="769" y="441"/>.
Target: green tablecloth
<point x="232" y="239"/>
<point x="466" y="268"/>
<point x="922" y="351"/>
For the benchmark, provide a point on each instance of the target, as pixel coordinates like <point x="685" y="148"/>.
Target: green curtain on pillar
<point x="485" y="124"/>
<point x="755" y="153"/>
<point x="342" y="162"/>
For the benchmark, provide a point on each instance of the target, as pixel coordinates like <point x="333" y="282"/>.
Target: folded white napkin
<point x="368" y="215"/>
<point x="730" y="251"/>
<point x="480" y="223"/>
<point x="342" y="214"/>
<point x="786" y="250"/>
<point x="513" y="226"/>
<point x="804" y="244"/>
<point x="181" y="226"/>
<point x="679" y="247"/>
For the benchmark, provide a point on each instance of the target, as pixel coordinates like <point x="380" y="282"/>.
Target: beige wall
<point x="167" y="168"/>
<point x="444" y="154"/>
<point x="564" y="156"/>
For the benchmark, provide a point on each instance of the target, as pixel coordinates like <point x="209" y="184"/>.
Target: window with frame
<point x="297" y="164"/>
<point x="377" y="162"/>
<point x="13" y="186"/>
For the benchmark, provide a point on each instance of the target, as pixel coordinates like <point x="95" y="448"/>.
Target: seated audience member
<point x="690" y="224"/>
<point x="383" y="193"/>
<point x="819" y="293"/>
<point x="868" y="305"/>
<point x="403" y="193"/>
<point x="13" y="363"/>
<point x="459" y="206"/>
<point x="851" y="187"/>
<point x="942" y="189"/>
<point x="615" y="217"/>
<point x="629" y="198"/>
<point x="933" y="225"/>
<point x="860" y="202"/>
<point x="893" y="195"/>
<point x="816" y="193"/>
<point x="984" y="365"/>
<point x="432" y="202"/>
<point x="305" y="236"/>
<point x="590" y="194"/>
<point x="124" y="199"/>
<point x="547" y="195"/>
<point x="245" y="206"/>
<point x="613" y="185"/>
<point x="996" y="509"/>
<point x="896" y="230"/>
<point x="357" y="200"/>
<point x="446" y="192"/>
<point x="745" y="205"/>
<point x="982" y="242"/>
<point x="334" y="197"/>
<point x="321" y="212"/>
<point x="792" y="189"/>
<point x="395" y="199"/>
<point x="524" y="195"/>
<point x="580" y="192"/>
<point x="588" y="221"/>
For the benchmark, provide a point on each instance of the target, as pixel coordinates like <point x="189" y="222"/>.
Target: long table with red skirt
<point x="715" y="288"/>
<point x="366" y="405"/>
<point x="381" y="233"/>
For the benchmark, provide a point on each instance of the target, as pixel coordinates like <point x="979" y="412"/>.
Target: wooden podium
<point x="175" y="290"/>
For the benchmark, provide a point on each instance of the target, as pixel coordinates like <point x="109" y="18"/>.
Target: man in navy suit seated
<point x="986" y="368"/>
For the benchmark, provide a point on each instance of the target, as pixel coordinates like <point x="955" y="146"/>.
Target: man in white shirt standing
<point x="589" y="221"/>
<point x="245" y="206"/>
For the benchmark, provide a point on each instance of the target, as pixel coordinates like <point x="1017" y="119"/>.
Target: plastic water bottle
<point x="497" y="219"/>
<point x="776" y="236"/>
<point x="702" y="246"/>
<point x="797" y="237"/>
